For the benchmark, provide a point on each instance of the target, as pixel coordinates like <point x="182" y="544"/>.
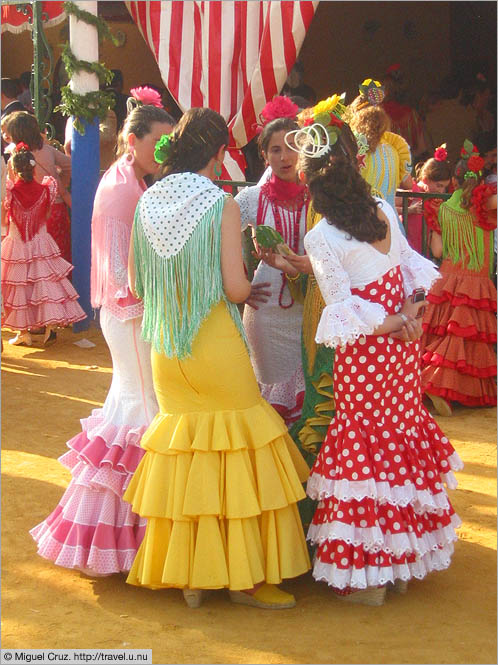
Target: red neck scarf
<point x="287" y="200"/>
<point x="30" y="213"/>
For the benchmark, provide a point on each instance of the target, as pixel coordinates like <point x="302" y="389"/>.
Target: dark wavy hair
<point x="197" y="137"/>
<point x="433" y="169"/>
<point x="277" y="125"/>
<point x="467" y="185"/>
<point x="21" y="163"/>
<point x="23" y="127"/>
<point x="340" y="194"/>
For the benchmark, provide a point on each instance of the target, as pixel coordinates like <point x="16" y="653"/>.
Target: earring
<point x="130" y="158"/>
<point x="217" y="170"/>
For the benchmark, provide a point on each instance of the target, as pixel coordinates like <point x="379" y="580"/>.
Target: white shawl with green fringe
<point x="177" y="245"/>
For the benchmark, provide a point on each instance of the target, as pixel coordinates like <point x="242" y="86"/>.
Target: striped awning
<point x="14" y="20"/>
<point x="232" y="57"/>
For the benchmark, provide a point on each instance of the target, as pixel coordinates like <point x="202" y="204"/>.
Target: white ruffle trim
<point x="418" y="272"/>
<point x="343" y="322"/>
<point x="372" y="539"/>
<point x="361" y="578"/>
<point x="320" y="488"/>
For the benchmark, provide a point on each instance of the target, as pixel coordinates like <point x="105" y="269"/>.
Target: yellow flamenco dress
<point x="220" y="480"/>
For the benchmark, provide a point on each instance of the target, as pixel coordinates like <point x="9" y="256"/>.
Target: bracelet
<point x="404" y="318"/>
<point x="293" y="279"/>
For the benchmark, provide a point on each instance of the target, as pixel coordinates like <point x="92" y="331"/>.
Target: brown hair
<point x="433" y="170"/>
<point x="197" y="137"/>
<point x="340" y="193"/>
<point x="467" y="185"/>
<point x="277" y="125"/>
<point x="23" y="127"/>
<point x="372" y="121"/>
<point x="139" y="122"/>
<point x="21" y="163"/>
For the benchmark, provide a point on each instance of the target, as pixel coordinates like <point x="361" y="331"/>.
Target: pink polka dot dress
<point x="383" y="511"/>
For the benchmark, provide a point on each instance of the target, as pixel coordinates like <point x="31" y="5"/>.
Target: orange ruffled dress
<point x="459" y="361"/>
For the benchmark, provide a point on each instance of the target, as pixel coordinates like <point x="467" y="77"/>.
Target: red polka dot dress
<point x="383" y="512"/>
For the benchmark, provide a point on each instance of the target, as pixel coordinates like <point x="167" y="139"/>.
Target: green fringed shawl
<point x="463" y="240"/>
<point x="179" y="291"/>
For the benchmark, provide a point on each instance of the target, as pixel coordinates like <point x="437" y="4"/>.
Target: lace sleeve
<point x="247" y="199"/>
<point x="345" y="316"/>
<point x="52" y="186"/>
<point x="119" y="245"/>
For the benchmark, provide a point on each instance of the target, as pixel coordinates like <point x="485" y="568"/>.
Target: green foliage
<point x="93" y="104"/>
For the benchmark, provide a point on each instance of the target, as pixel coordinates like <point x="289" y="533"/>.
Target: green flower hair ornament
<point x="163" y="148"/>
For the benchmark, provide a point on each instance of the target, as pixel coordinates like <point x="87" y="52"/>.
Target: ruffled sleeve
<point x="9" y="186"/>
<point x="53" y="188"/>
<point x="431" y="214"/>
<point x="345" y="316"/>
<point x="404" y="154"/>
<point x="248" y="203"/>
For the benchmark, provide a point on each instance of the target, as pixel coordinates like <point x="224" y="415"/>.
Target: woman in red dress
<point x="383" y="516"/>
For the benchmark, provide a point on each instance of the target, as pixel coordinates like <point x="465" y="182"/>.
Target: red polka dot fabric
<point x="383" y="511"/>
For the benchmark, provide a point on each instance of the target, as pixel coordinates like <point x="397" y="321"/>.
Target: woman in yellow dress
<point x="220" y="479"/>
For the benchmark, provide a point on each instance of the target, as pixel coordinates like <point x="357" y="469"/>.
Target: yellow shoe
<point x="440" y="404"/>
<point x="267" y="597"/>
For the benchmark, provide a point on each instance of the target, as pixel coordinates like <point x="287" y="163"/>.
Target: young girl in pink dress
<point x="383" y="515"/>
<point x="433" y="176"/>
<point x="35" y="288"/>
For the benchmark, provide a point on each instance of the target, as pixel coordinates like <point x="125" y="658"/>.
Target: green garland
<point x="94" y="104"/>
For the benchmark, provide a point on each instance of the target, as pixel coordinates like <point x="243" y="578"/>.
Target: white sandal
<point x="193" y="597"/>
<point x="21" y="339"/>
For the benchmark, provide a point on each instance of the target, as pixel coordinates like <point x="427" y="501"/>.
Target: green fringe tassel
<point x="178" y="292"/>
<point x="459" y="232"/>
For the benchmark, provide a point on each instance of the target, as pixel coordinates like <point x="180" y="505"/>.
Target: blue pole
<point x="85" y="167"/>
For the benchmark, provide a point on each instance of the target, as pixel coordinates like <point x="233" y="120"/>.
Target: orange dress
<point x="459" y="360"/>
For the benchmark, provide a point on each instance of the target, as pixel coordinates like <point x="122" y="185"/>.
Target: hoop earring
<point x="130" y="158"/>
<point x="217" y="170"/>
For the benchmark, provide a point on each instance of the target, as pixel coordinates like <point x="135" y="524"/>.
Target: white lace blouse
<point x="341" y="263"/>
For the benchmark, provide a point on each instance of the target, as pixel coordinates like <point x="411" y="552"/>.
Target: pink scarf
<point x="113" y="211"/>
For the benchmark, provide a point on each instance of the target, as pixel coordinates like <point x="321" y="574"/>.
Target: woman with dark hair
<point x="220" y="478"/>
<point x="383" y="514"/>
<point x="92" y="529"/>
<point x="274" y="327"/>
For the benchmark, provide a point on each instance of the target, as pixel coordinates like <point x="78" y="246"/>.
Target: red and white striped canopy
<point x="232" y="56"/>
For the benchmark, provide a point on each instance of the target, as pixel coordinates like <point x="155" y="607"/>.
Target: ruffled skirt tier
<point x="459" y="360"/>
<point x="35" y="287"/>
<point x="221" y="478"/>
<point x="92" y="529"/>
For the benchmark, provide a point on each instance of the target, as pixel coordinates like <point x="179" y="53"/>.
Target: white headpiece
<point x="310" y="141"/>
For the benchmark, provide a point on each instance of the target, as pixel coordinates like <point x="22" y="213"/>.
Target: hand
<point x="301" y="263"/>
<point x="258" y="294"/>
<point x="410" y="331"/>
<point x="415" y="208"/>
<point x="411" y="309"/>
<point x="275" y="260"/>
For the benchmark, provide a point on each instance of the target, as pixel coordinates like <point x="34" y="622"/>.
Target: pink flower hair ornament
<point x="279" y="107"/>
<point x="147" y="96"/>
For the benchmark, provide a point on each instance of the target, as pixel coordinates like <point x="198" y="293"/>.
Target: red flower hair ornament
<point x="279" y="107"/>
<point x="441" y="154"/>
<point x="22" y="146"/>
<point x="475" y="163"/>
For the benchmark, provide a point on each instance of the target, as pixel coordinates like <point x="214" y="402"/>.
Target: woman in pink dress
<point x="35" y="288"/>
<point x="383" y="515"/>
<point x="92" y="529"/>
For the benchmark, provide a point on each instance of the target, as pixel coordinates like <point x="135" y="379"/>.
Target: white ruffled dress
<point x="383" y="512"/>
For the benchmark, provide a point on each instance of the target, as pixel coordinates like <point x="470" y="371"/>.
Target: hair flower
<point x="22" y="146"/>
<point x="475" y="163"/>
<point x="441" y="154"/>
<point x="279" y="107"/>
<point x="163" y="148"/>
<point x="148" y="96"/>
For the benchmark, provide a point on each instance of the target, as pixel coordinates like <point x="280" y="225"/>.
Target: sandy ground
<point x="450" y="617"/>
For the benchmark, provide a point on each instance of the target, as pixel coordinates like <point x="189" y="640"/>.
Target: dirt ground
<point x="450" y="617"/>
